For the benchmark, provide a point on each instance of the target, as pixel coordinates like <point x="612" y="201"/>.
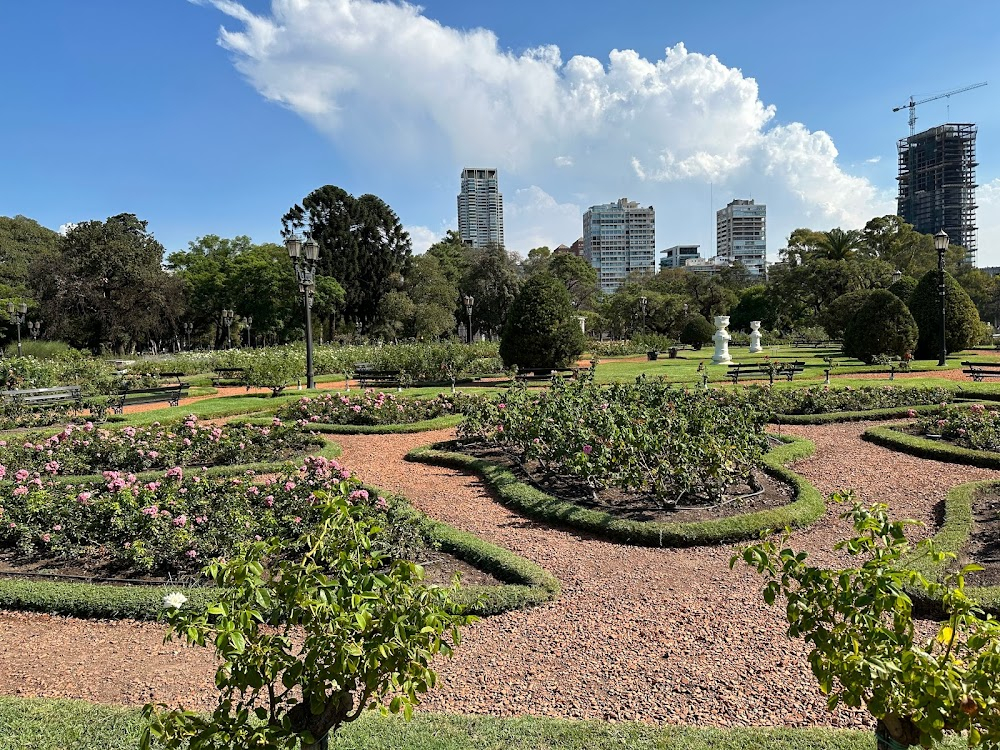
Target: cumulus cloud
<point x="533" y="218"/>
<point x="384" y="80"/>
<point x="988" y="214"/>
<point x="422" y="238"/>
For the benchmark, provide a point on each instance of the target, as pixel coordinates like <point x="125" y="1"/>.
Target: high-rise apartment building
<point x="741" y="234"/>
<point x="678" y="255"/>
<point x="619" y="238"/>
<point x="480" y="208"/>
<point x="937" y="176"/>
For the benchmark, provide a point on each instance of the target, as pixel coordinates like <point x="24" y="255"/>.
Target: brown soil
<point x="984" y="542"/>
<point x="669" y="636"/>
<point x="635" y="506"/>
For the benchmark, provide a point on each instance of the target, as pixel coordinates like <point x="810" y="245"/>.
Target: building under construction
<point x="937" y="183"/>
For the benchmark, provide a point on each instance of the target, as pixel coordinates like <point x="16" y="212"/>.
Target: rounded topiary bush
<point x="904" y="288"/>
<point x="541" y="328"/>
<point x="883" y="325"/>
<point x="962" y="324"/>
<point x="839" y="313"/>
<point x="697" y="332"/>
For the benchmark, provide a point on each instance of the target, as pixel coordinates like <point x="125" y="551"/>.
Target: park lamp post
<point x="644" y="304"/>
<point x="34" y="329"/>
<point x="468" y="300"/>
<point x="17" y="314"/>
<point x="896" y="276"/>
<point x="228" y="316"/>
<point x="941" y="245"/>
<point x="304" y="256"/>
<point x="248" y="322"/>
<point x="188" y="330"/>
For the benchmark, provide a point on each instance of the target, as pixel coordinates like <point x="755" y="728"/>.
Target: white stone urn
<point x="721" y="339"/>
<point x="755" y="337"/>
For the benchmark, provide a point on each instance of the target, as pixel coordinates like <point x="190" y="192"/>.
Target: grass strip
<point x="807" y="507"/>
<point x="935" y="450"/>
<point x="953" y="536"/>
<point x="46" y="724"/>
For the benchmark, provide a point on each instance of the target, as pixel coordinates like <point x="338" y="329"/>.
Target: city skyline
<point x="231" y="112"/>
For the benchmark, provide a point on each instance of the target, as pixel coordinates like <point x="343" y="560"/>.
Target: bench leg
<point x="174" y="401"/>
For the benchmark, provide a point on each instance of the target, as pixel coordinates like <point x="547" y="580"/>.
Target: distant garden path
<point x="668" y="636"/>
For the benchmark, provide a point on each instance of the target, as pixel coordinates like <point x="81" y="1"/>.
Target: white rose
<point x="175" y="600"/>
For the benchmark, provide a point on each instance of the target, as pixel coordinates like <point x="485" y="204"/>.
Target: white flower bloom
<point x="175" y="600"/>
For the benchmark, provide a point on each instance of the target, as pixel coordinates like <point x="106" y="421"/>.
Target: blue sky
<point x="215" y="117"/>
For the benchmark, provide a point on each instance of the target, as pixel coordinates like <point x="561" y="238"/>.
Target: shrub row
<point x="439" y="423"/>
<point x="525" y="583"/>
<point x="935" y="450"/>
<point x="900" y="412"/>
<point x="807" y="507"/>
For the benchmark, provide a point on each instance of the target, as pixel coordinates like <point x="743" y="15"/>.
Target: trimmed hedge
<point x="936" y="450"/>
<point x="525" y="583"/>
<point x="952" y="537"/>
<point x="898" y="412"/>
<point x="808" y="506"/>
<point x="426" y="425"/>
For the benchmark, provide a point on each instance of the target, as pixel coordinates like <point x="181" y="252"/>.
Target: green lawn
<point x="36" y="724"/>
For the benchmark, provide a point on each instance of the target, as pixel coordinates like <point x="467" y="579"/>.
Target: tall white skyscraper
<point x="480" y="208"/>
<point x="619" y="238"/>
<point x="741" y="234"/>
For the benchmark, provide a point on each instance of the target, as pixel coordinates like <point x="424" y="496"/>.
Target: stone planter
<point x="652" y="356"/>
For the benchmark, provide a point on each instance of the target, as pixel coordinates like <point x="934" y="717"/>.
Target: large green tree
<point x="542" y="329"/>
<point x="107" y="289"/>
<point x="23" y="242"/>
<point x="493" y="281"/>
<point x="579" y="278"/>
<point x="362" y="245"/>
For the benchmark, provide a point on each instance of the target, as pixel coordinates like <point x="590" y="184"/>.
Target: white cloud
<point x="382" y="79"/>
<point x="66" y="228"/>
<point x="988" y="217"/>
<point x="873" y="160"/>
<point x="422" y="238"/>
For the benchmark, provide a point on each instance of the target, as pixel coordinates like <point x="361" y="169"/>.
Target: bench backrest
<point x="982" y="365"/>
<point x="43" y="395"/>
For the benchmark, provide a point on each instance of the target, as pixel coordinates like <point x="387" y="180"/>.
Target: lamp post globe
<point x="469" y="301"/>
<point x="17" y="315"/>
<point x="304" y="256"/>
<point x="941" y="245"/>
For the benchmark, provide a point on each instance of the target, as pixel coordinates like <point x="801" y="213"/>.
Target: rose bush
<point x="823" y="399"/>
<point x="174" y="523"/>
<point x="976" y="427"/>
<point x="87" y="449"/>
<point x="647" y="437"/>
<point x="373" y="408"/>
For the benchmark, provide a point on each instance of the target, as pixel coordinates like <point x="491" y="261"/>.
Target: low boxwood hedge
<point x="897" y="412"/>
<point x="426" y="425"/>
<point x="525" y="583"/>
<point x="936" y="450"/>
<point x="952" y="537"/>
<point x="808" y="506"/>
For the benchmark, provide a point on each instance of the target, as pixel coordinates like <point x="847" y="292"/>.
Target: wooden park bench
<point x="980" y="370"/>
<point x="60" y="395"/>
<point x="758" y="371"/>
<point x="368" y="376"/>
<point x="818" y="343"/>
<point x="538" y="374"/>
<point x="171" y="394"/>
<point x="225" y="376"/>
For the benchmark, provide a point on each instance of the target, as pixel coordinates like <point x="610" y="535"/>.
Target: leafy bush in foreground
<point x="371" y="408"/>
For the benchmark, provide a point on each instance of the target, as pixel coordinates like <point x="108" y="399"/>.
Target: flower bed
<point x="87" y="449"/>
<point x="373" y="408"/>
<point x="171" y="525"/>
<point x="652" y="438"/>
<point x="975" y="427"/>
<point x="825" y="400"/>
<point x="14" y="416"/>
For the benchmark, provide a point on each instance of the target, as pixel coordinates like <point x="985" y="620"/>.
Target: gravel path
<point x="667" y="636"/>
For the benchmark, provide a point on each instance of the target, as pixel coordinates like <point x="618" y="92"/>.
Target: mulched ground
<point x="659" y="635"/>
<point x="984" y="546"/>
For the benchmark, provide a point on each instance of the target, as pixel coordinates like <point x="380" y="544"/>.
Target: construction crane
<point x="912" y="106"/>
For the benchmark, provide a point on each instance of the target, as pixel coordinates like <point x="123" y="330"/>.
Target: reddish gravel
<point x="667" y="636"/>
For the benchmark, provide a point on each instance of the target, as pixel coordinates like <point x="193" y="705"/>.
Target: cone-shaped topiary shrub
<point x="904" y="288"/>
<point x="541" y="328"/>
<point x="883" y="325"/>
<point x="697" y="332"/>
<point x="839" y="313"/>
<point x="962" y="324"/>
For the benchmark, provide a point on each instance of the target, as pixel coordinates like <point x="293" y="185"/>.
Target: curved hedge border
<point x="808" y="506"/>
<point x="895" y="412"/>
<point x="525" y="583"/>
<point x="426" y="425"/>
<point x="952" y="537"/>
<point x="936" y="450"/>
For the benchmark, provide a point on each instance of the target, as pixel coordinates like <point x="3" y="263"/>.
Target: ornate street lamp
<point x="941" y="245"/>
<point x="188" y="330"/>
<point x="304" y="256"/>
<point x="897" y="276"/>
<point x="34" y="328"/>
<point x="468" y="300"/>
<point x="644" y="304"/>
<point x="248" y="322"/>
<point x="17" y="314"/>
<point x="228" y="316"/>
